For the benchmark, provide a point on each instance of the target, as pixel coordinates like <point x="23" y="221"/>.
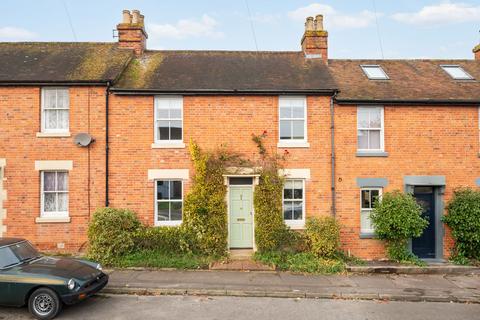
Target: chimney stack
<point x="131" y="32"/>
<point x="315" y="39"/>
<point x="476" y="52"/>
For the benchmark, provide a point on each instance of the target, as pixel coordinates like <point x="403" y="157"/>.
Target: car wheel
<point x="44" y="304"/>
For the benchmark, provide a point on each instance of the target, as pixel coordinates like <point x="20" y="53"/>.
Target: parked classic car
<point x="44" y="283"/>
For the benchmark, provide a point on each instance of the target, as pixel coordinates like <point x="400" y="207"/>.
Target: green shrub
<point x="165" y="239"/>
<point x="463" y="218"/>
<point x="110" y="234"/>
<point x="323" y="236"/>
<point x="397" y="218"/>
<point x="205" y="208"/>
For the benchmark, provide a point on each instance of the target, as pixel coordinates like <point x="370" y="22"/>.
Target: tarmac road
<point x="113" y="307"/>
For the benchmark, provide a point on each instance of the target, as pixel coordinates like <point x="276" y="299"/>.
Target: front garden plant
<point x="117" y="238"/>
<point x="463" y="218"/>
<point x="397" y="218"/>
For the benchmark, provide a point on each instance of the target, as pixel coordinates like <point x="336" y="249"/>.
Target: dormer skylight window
<point x="374" y="72"/>
<point x="456" y="72"/>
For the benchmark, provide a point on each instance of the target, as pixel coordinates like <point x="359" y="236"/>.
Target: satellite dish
<point x="83" y="139"/>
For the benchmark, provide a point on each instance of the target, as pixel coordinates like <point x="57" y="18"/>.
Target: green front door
<point x="241" y="217"/>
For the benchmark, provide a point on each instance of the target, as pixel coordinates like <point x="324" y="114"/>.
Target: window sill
<point x="296" y="225"/>
<point x="367" y="236"/>
<point x="52" y="220"/>
<point x="176" y="145"/>
<point x="168" y="223"/>
<point x="53" y="134"/>
<point x="372" y="154"/>
<point x="292" y="144"/>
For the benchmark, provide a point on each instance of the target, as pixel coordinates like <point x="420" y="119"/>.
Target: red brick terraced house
<point x="86" y="125"/>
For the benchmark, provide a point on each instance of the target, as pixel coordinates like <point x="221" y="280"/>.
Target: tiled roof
<point x="226" y="71"/>
<point x="409" y="81"/>
<point x="61" y="62"/>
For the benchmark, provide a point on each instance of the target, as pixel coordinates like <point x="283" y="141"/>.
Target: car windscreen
<point x="7" y="257"/>
<point x="17" y="253"/>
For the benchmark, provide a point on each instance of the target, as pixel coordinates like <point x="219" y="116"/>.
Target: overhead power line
<point x="69" y="20"/>
<point x="378" y="29"/>
<point x="251" y="24"/>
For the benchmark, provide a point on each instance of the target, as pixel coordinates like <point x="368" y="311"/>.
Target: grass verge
<point x="160" y="259"/>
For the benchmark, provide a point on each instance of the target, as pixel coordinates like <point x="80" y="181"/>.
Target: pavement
<point x="241" y="265"/>
<point x="396" y="287"/>
<point x="120" y="307"/>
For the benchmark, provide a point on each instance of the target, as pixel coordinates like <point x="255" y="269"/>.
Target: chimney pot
<point x="127" y="17"/>
<point x="319" y="22"/>
<point x="131" y="32"/>
<point x="476" y="52"/>
<point x="309" y="24"/>
<point x="315" y="39"/>
<point x="135" y="16"/>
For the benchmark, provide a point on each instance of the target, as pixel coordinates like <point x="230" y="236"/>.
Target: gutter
<point x="122" y="91"/>
<point x="52" y="83"/>
<point x="409" y="102"/>
<point x="332" y="134"/>
<point x="107" y="94"/>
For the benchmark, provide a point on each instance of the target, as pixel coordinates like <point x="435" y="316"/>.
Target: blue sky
<point x="407" y="28"/>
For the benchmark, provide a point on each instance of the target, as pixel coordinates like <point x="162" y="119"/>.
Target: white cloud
<point x="333" y="18"/>
<point x="186" y="28"/>
<point x="15" y="34"/>
<point x="442" y="13"/>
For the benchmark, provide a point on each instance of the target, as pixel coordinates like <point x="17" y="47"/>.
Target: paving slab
<point x="411" y="287"/>
<point x="436" y="268"/>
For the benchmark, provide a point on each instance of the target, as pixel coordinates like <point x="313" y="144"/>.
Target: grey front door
<point x="424" y="246"/>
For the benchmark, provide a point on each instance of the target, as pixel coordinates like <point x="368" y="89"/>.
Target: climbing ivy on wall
<point x="271" y="233"/>
<point x="205" y="207"/>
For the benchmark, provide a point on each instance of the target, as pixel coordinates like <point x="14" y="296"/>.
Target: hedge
<point x="111" y="233"/>
<point x="323" y="236"/>
<point x="463" y="218"/>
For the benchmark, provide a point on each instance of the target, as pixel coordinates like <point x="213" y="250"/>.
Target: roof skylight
<point x="456" y="72"/>
<point x="374" y="72"/>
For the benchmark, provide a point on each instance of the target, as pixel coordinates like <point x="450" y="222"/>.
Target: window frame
<point x="43" y="128"/>
<point x="168" y="223"/>
<point x="468" y="76"/>
<point x="295" y="224"/>
<point x="53" y="214"/>
<point x="382" y="130"/>
<point x="291" y="141"/>
<point x="366" y="66"/>
<point x="362" y="210"/>
<point x="156" y="119"/>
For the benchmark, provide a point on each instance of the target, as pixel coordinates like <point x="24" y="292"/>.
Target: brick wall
<point x="19" y="122"/>
<point x="420" y="140"/>
<point x="211" y="121"/>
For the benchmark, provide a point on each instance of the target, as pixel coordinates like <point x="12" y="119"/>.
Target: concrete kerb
<point x="287" y="294"/>
<point x="447" y="270"/>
